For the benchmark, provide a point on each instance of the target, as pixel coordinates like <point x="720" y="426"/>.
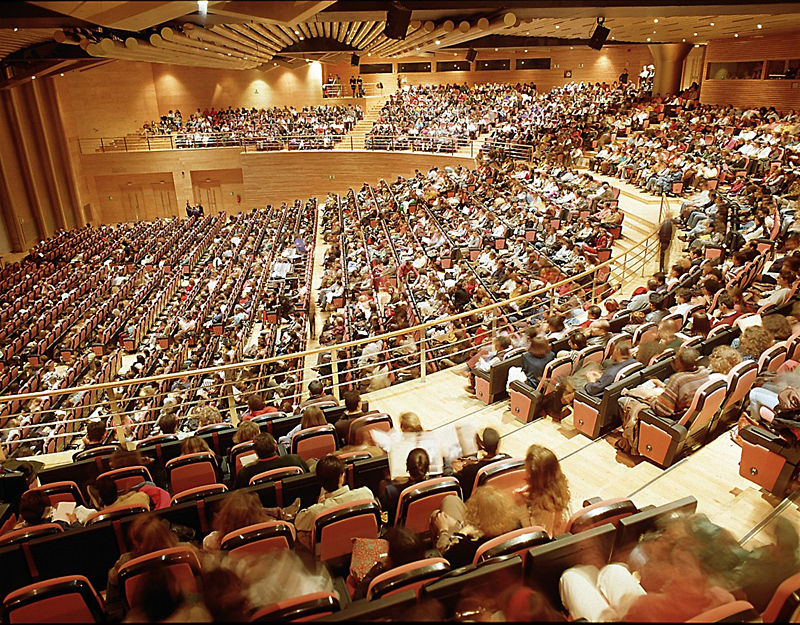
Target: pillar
<point x="669" y="66"/>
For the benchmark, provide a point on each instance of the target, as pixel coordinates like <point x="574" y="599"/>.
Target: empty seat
<point x="600" y="512"/>
<point x="767" y="459"/>
<point x="304" y="608"/>
<point x="61" y="491"/>
<point x="507" y="475"/>
<point x="199" y="492"/>
<point x="417" y="502"/>
<point x="314" y="442"/>
<point x="25" y="534"/>
<point x="360" y="427"/>
<point x="591" y="415"/>
<point x="514" y="542"/>
<point x="782" y="608"/>
<point x="772" y="358"/>
<point x="192" y="470"/>
<point x="334" y="528"/>
<point x="525" y="400"/>
<point x="128" y="477"/>
<point x="259" y="539"/>
<point x="69" y="599"/>
<point x="179" y="562"/>
<point x="410" y="576"/>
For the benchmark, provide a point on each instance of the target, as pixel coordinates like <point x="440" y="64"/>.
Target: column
<point x="669" y="66"/>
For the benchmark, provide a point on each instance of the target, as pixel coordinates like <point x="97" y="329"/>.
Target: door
<point x="209" y="194"/>
<point x="133" y="203"/>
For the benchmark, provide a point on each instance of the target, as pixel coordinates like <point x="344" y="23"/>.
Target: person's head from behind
<point x="255" y="402"/>
<point x="312" y="417"/>
<point x="502" y="343"/>
<point x="418" y="464"/>
<point x="657" y="301"/>
<point x="95" y="431"/>
<point x="555" y="323"/>
<point x="194" y="445"/>
<point x="683" y="295"/>
<point x="701" y="324"/>
<point x="778" y="326"/>
<point x="491" y="510"/>
<point x="539" y="347"/>
<point x="103" y="492"/>
<point x="601" y="327"/>
<point x="666" y="330"/>
<point x="725" y="302"/>
<point x="754" y="341"/>
<point x="723" y="359"/>
<point x="686" y="359"/>
<point x="409" y="422"/>
<point x="547" y="484"/>
<point x="330" y="472"/>
<point x="622" y="351"/>
<point x="239" y="509"/>
<point x="594" y="312"/>
<point x="168" y="423"/>
<point x="404" y="546"/>
<point x="208" y="415"/>
<point x="265" y="446"/>
<point x="315" y="388"/>
<point x="352" y="401"/>
<point x="32" y="506"/>
<point x="489" y="441"/>
<point x="149" y="533"/>
<point x="246" y="431"/>
<point x="577" y="340"/>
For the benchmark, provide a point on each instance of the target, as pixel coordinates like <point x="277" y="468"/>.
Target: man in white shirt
<point x="330" y="471"/>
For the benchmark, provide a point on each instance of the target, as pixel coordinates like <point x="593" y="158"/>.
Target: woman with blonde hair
<point x="755" y="341"/>
<point x="723" y="359"/>
<point x="246" y="431"/>
<point x="546" y="494"/>
<point x="194" y="445"/>
<point x="240" y="509"/>
<point x="458" y="529"/>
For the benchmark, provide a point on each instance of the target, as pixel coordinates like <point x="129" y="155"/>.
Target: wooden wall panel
<point x="782" y="94"/>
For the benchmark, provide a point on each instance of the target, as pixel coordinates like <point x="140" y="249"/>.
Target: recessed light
<point x="455" y="53"/>
<point x="694" y="35"/>
<point x="655" y="20"/>
<point x="711" y="24"/>
<point x="15" y="29"/>
<point x="438" y="42"/>
<point x="275" y="64"/>
<point x="684" y="40"/>
<point x="33" y="77"/>
<point x="758" y="26"/>
<point x="557" y="26"/>
<point x="229" y="54"/>
<point x="369" y="53"/>
<point x="735" y="34"/>
<point x="526" y="51"/>
<point x="62" y="73"/>
<point x="654" y="32"/>
<point x="495" y="49"/>
<point x="571" y="48"/>
<point x="648" y="39"/>
<point x="205" y="48"/>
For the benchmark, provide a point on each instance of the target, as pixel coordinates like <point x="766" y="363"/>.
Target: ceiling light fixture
<point x="648" y="39"/>
<point x="694" y="35"/>
<point x="495" y="49"/>
<point x="735" y="34"/>
<point x="62" y="73"/>
<point x="655" y="20"/>
<point x="758" y="26"/>
<point x="711" y="24"/>
<point x="557" y="26"/>
<point x="202" y="6"/>
<point x="438" y="42"/>
<point x="15" y="29"/>
<point x="33" y="77"/>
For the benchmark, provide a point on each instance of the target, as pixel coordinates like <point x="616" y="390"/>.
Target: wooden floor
<point x="596" y="468"/>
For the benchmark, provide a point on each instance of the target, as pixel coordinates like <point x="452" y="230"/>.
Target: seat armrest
<point x="648" y="416"/>
<point x="481" y="374"/>
<point x="589" y="400"/>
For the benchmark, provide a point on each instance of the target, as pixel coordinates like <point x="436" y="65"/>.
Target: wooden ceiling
<point x="243" y="35"/>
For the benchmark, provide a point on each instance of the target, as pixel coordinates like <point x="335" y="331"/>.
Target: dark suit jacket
<point x="276" y="462"/>
<point x="597" y="388"/>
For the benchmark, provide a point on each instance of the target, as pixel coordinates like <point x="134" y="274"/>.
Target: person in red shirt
<point x="256" y="407"/>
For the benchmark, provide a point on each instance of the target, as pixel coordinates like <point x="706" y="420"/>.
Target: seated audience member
<point x="642" y="301"/>
<point x="599" y="333"/>
<point x="666" y="400"/>
<point x="267" y="451"/>
<point x="95" y="435"/>
<point x="417" y="464"/>
<point x="316" y="394"/>
<point x="658" y="311"/>
<point x="330" y="471"/>
<point x="245" y="433"/>
<point x="405" y="547"/>
<point x="459" y="528"/>
<point x="240" y="509"/>
<point x="146" y="534"/>
<point x="194" y="445"/>
<point x="546" y="495"/>
<point x="256" y="407"/>
<point x="780" y="294"/>
<point x="168" y="424"/>
<point x="535" y="359"/>
<point x="312" y="417"/>
<point x="700" y="324"/>
<point x="725" y="312"/>
<point x="206" y="415"/>
<point x="778" y="326"/>
<point x="620" y="358"/>
<point x="665" y="339"/>
<point x="467" y="468"/>
<point x="484" y="361"/>
<point x="753" y="342"/>
<point x="104" y="495"/>
<point x="352" y="410"/>
<point x="576" y="342"/>
<point x="683" y="299"/>
<point x="721" y="360"/>
<point x="34" y="509"/>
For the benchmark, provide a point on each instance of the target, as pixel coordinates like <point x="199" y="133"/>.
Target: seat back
<point x="69" y="599"/>
<point x="274" y="475"/>
<point x="334" y="528"/>
<point x="410" y="576"/>
<point x="314" y="442"/>
<point x="607" y="511"/>
<point x="25" y="534"/>
<point x="628" y="370"/>
<point x="258" y="539"/>
<point x="303" y="608"/>
<point x="593" y="353"/>
<point x="417" y="502"/>
<point x="740" y="381"/>
<point x="514" y="542"/>
<point x="95" y="452"/>
<point x="733" y="612"/>
<point x="508" y="475"/>
<point x="111" y="514"/>
<point x="784" y="603"/>
<point x="705" y="403"/>
<point x="613" y="341"/>
<point x="237" y="453"/>
<point x="61" y="491"/>
<point x="772" y="358"/>
<point x="793" y="347"/>
<point x="158" y="439"/>
<point x="180" y="563"/>
<point x="192" y="470"/>
<point x="645" y="331"/>
<point x="553" y="372"/>
<point x="360" y="427"/>
<point x="128" y="477"/>
<point x="200" y="492"/>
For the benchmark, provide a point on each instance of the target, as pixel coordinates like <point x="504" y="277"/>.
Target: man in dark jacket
<point x="620" y="358"/>
<point x="267" y="451"/>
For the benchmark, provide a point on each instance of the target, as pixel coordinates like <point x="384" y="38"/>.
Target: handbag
<point x="366" y="553"/>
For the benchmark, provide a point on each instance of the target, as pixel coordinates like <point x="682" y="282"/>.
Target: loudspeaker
<point x="472" y="55"/>
<point x="599" y="37"/>
<point x="397" y="20"/>
<point x="354" y="60"/>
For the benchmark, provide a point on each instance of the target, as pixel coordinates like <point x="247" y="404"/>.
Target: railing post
<point x="644" y="256"/>
<point x="471" y="143"/>
<point x="125" y="142"/>
<point x="148" y="142"/>
<point x="171" y="143"/>
<point x="423" y="360"/>
<point x="351" y="143"/>
<point x="102" y="145"/>
<point x="231" y="400"/>
<point x="117" y="418"/>
<point x="334" y="375"/>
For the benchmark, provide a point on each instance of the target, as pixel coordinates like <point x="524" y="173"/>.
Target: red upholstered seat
<point x="303" y="608"/>
<point x="192" y="470"/>
<point x="514" y="542"/>
<point x="334" y="528"/>
<point x="29" y="533"/>
<point x="199" y="492"/>
<point x="69" y="599"/>
<point x="314" y="442"/>
<point x="179" y="562"/>
<point x="417" y="502"/>
<point x="410" y="576"/>
<point x="596" y="514"/>
<point x="128" y="477"/>
<point x="258" y="539"/>
<point x="61" y="491"/>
